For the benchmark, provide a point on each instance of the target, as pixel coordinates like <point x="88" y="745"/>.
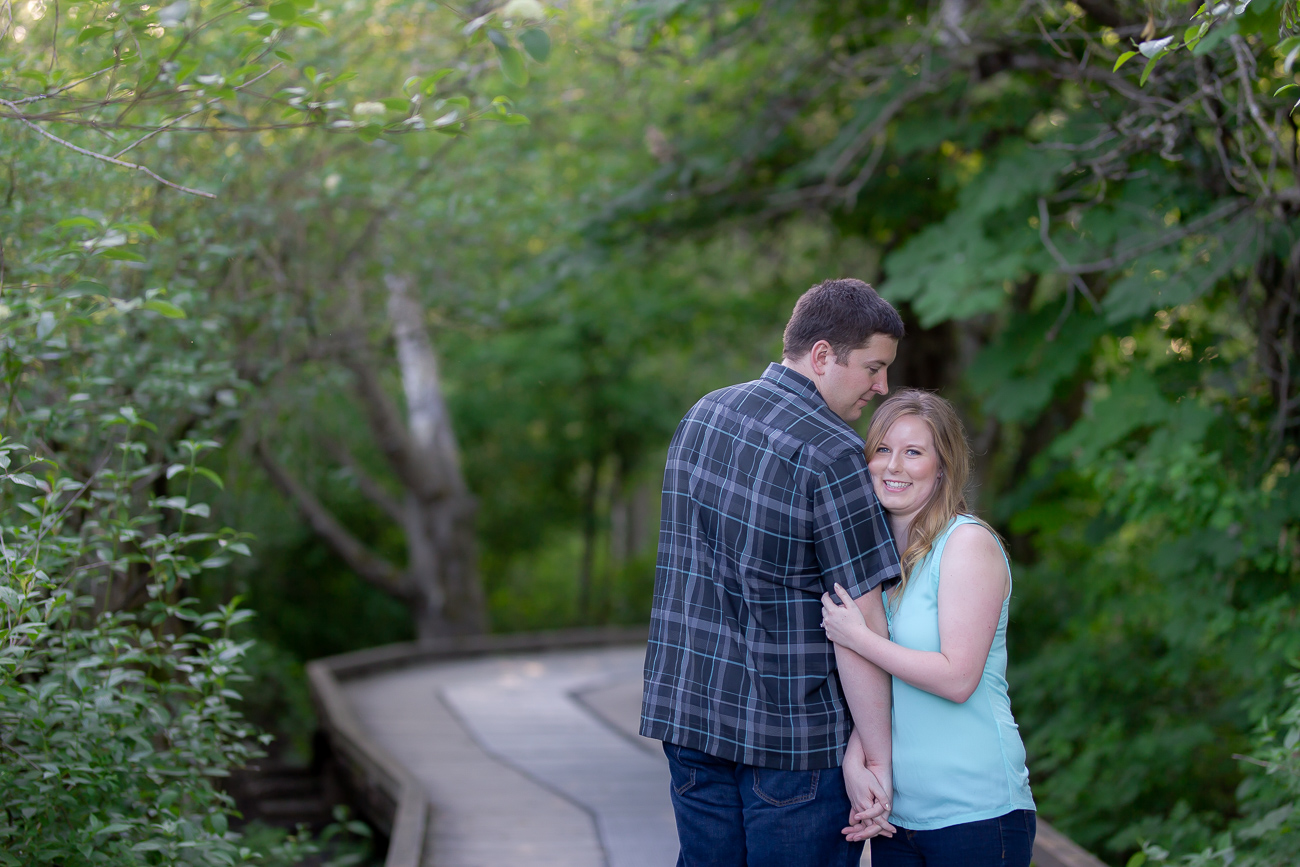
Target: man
<point x="766" y="505"/>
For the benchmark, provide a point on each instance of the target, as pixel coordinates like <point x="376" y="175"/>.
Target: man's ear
<point x="820" y="357"/>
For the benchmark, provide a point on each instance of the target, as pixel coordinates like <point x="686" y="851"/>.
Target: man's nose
<point x="882" y="384"/>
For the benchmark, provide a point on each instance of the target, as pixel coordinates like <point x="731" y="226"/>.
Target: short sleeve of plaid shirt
<point x="766" y="504"/>
<point x="853" y="544"/>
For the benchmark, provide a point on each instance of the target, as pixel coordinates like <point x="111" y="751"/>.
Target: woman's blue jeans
<point x="1007" y="841"/>
<point x="734" y="815"/>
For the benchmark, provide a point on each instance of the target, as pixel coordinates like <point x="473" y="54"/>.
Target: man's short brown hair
<point x="846" y="313"/>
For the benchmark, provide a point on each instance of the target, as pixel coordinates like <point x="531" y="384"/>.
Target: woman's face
<point x="905" y="467"/>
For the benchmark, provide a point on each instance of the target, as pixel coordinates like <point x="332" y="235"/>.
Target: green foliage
<point x="1266" y="833"/>
<point x="1102" y="274"/>
<point x="116" y="693"/>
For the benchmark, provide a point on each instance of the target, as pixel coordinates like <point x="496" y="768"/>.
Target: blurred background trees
<point x="466" y="267"/>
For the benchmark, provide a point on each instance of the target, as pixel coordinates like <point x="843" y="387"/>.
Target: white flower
<point x="363" y="109"/>
<point x="528" y="9"/>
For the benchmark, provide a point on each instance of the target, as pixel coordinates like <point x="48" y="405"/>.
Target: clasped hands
<point x="869" y="796"/>
<point x="870" y="799"/>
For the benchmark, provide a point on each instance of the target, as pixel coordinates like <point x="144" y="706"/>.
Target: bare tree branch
<point x="359" y="558"/>
<point x="19" y="116"/>
<point x="367" y="483"/>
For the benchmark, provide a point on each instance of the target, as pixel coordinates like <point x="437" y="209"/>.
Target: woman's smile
<point x="904" y="468"/>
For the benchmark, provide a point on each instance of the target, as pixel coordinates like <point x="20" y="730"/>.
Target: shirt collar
<point x="791" y="380"/>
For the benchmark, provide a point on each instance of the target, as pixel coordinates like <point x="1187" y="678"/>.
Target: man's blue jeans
<point x="1007" y="841"/>
<point x="734" y="815"/>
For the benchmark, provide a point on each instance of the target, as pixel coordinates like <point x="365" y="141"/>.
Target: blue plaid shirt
<point x="766" y="504"/>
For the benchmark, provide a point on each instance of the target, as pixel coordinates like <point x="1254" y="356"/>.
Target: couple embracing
<point x="812" y="688"/>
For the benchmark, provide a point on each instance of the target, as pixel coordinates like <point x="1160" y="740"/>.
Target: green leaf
<point x="91" y="32"/>
<point x="512" y="65"/>
<point x="120" y="254"/>
<point x="85" y="287"/>
<point x="430" y="84"/>
<point x="283" y="11"/>
<point x="210" y="476"/>
<point x="1290" y="48"/>
<point x="1123" y="59"/>
<point x="537" y="44"/>
<point x="1212" y="39"/>
<point x="1151" y="64"/>
<point x="165" y="308"/>
<point x="1138" y="859"/>
<point x="394" y="103"/>
<point x="499" y="39"/>
<point x="515" y="120"/>
<point x="1284" y="88"/>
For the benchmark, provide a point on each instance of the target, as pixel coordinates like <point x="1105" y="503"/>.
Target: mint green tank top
<point x="953" y="763"/>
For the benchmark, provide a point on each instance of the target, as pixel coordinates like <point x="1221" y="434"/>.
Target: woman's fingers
<point x="844" y="595"/>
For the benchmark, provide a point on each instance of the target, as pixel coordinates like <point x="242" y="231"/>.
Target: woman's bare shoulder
<point x="973" y="539"/>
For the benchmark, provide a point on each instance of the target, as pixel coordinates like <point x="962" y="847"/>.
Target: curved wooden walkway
<point x="529" y="759"/>
<point x="516" y="757"/>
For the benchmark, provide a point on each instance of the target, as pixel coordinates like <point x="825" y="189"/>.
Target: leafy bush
<point x="118" y="695"/>
<point x="1268" y="833"/>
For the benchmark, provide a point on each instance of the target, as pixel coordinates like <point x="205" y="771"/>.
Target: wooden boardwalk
<point x="524" y="758"/>
<point x="528" y="760"/>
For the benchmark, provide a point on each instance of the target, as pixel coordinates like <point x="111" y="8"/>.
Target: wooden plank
<point x="390" y="797"/>
<point x="1054" y="849"/>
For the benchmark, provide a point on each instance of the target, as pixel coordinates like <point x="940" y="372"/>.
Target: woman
<point x="961" y="790"/>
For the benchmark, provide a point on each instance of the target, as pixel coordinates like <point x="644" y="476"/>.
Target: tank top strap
<point x="935" y="557"/>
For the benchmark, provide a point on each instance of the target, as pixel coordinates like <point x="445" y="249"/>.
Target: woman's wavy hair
<point x="949" y="496"/>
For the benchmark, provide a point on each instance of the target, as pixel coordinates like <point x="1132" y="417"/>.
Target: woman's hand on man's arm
<point x="972" y="586"/>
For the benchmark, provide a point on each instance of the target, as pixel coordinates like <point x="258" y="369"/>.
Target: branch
<point x="360" y="559"/>
<point x="1130" y="253"/>
<point x="372" y="490"/>
<point x="18" y="116"/>
<point x="386" y="424"/>
<point x="1044" y="234"/>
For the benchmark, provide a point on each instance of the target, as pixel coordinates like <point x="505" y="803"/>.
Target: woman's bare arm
<point x="973" y="583"/>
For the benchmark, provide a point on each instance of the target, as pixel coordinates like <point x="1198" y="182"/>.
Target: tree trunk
<point x="436" y="510"/>
<point x="442" y="559"/>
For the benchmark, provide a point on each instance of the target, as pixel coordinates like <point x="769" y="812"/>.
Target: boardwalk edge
<point x="387" y="794"/>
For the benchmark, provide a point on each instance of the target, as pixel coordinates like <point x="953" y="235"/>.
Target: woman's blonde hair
<point x="949" y="496"/>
